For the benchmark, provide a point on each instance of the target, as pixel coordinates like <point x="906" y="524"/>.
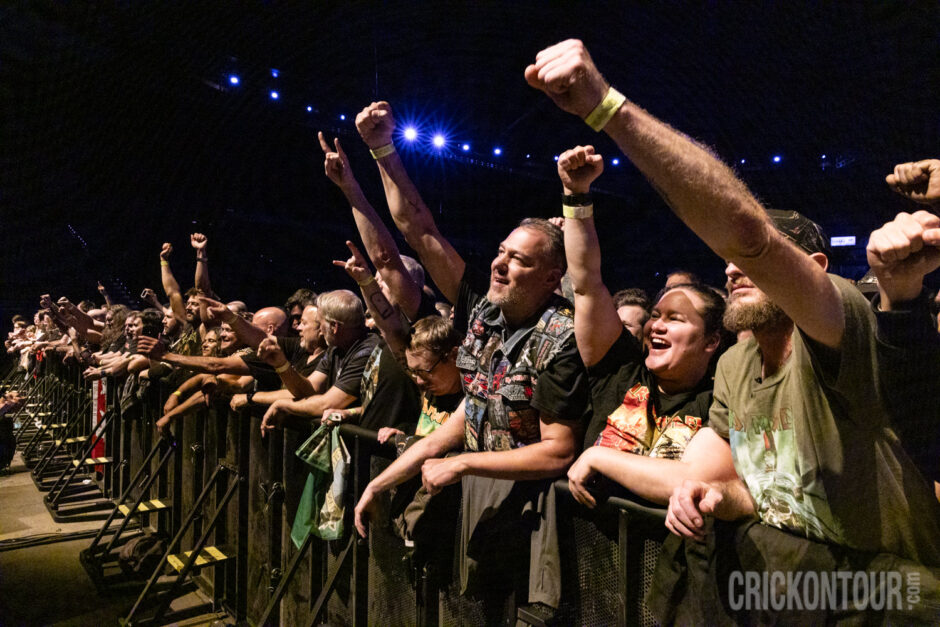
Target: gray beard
<point x="754" y="317"/>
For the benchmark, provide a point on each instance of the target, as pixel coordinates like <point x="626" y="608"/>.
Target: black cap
<point x="801" y="231"/>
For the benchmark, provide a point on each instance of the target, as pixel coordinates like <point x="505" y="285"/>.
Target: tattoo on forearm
<point x="381" y="305"/>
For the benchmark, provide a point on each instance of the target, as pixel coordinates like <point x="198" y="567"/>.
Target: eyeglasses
<point x="421" y="371"/>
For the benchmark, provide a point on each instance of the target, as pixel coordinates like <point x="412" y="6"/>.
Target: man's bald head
<point x="271" y="320"/>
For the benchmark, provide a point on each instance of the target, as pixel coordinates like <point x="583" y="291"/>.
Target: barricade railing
<point x="224" y="500"/>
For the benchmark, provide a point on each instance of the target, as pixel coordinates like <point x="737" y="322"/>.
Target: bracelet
<point x="368" y="281"/>
<point x="282" y="369"/>
<point x="578" y="212"/>
<point x="177" y="393"/>
<point x="250" y="397"/>
<point x="383" y="151"/>
<point x="577" y="200"/>
<point x="203" y="258"/>
<point x="164" y="262"/>
<point x="600" y="116"/>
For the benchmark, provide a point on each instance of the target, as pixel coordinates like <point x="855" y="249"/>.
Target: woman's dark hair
<point x="151" y="322"/>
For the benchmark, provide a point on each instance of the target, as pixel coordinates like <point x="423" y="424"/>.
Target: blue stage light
<point x="823" y="157"/>
<point x="411" y="134"/>
<point x="234" y="80"/>
<point x="309" y="109"/>
<point x="743" y="161"/>
<point x="556" y="157"/>
<point x="342" y="116"/>
<point x="274" y="73"/>
<point x="777" y="158"/>
<point x="615" y="161"/>
<point x="465" y="147"/>
<point x="497" y="151"/>
<point x="275" y="95"/>
<point x="438" y="141"/>
<point x="528" y="156"/>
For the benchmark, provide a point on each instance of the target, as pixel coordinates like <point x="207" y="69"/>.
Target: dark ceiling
<point x="119" y="130"/>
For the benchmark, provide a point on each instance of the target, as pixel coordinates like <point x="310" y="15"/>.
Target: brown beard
<point x="753" y="316"/>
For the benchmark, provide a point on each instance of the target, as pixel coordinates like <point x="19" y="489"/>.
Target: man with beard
<point x="799" y="403"/>
<point x="526" y="390"/>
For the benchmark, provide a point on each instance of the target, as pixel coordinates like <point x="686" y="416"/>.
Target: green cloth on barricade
<point x="321" y="509"/>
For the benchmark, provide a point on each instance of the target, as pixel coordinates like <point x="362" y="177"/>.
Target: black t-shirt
<point x="264" y="373"/>
<point x="343" y="368"/>
<point x="388" y="394"/>
<point x="627" y="402"/>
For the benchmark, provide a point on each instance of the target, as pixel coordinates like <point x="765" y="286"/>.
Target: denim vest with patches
<point x="500" y="370"/>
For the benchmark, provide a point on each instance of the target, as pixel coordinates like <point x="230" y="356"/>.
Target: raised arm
<point x="701" y="190"/>
<point x="104" y="294"/>
<point x="170" y="286"/>
<point x="596" y="323"/>
<point x="376" y="125"/>
<point x="385" y="315"/>
<point x="378" y="241"/>
<point x="198" y="241"/>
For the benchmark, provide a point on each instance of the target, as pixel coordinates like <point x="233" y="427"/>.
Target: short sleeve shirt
<point x="632" y="415"/>
<point x="815" y="445"/>
<point x="343" y="368"/>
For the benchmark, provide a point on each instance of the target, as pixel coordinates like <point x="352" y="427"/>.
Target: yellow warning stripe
<point x="92" y="461"/>
<point x="70" y="441"/>
<point x="147" y="506"/>
<point x="209" y="555"/>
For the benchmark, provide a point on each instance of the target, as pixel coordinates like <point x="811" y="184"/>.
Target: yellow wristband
<point x="371" y="279"/>
<point x="282" y="369"/>
<point x="578" y="213"/>
<point x="177" y="393"/>
<point x="383" y="151"/>
<point x="164" y="262"/>
<point x="600" y="116"/>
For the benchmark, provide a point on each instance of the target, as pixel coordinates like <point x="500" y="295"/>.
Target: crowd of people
<point x="785" y="418"/>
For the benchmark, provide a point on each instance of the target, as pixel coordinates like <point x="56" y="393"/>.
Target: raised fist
<point x="165" y="251"/>
<point x="376" y="124"/>
<point x="198" y="241"/>
<point x="567" y="74"/>
<point x="578" y="167"/>
<point x="918" y="180"/>
<point x="902" y="252"/>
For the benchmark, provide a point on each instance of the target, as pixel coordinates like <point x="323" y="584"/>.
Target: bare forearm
<point x="541" y="460"/>
<point x="211" y="365"/>
<point x="651" y="478"/>
<point x="736" y="501"/>
<point x="266" y="398"/>
<point x="386" y="318"/>
<point x="296" y="386"/>
<point x="202" y="273"/>
<point x="382" y="250"/>
<point x="246" y="332"/>
<point x="702" y="191"/>
<point x="415" y="222"/>
<point x="409" y="464"/>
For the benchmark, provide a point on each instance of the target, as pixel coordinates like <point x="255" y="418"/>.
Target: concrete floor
<point x="46" y="584"/>
<point x="22" y="512"/>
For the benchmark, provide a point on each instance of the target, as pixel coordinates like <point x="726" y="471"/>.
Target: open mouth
<point x="658" y="343"/>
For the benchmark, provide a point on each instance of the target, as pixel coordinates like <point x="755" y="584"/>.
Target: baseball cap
<point x="800" y="230"/>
